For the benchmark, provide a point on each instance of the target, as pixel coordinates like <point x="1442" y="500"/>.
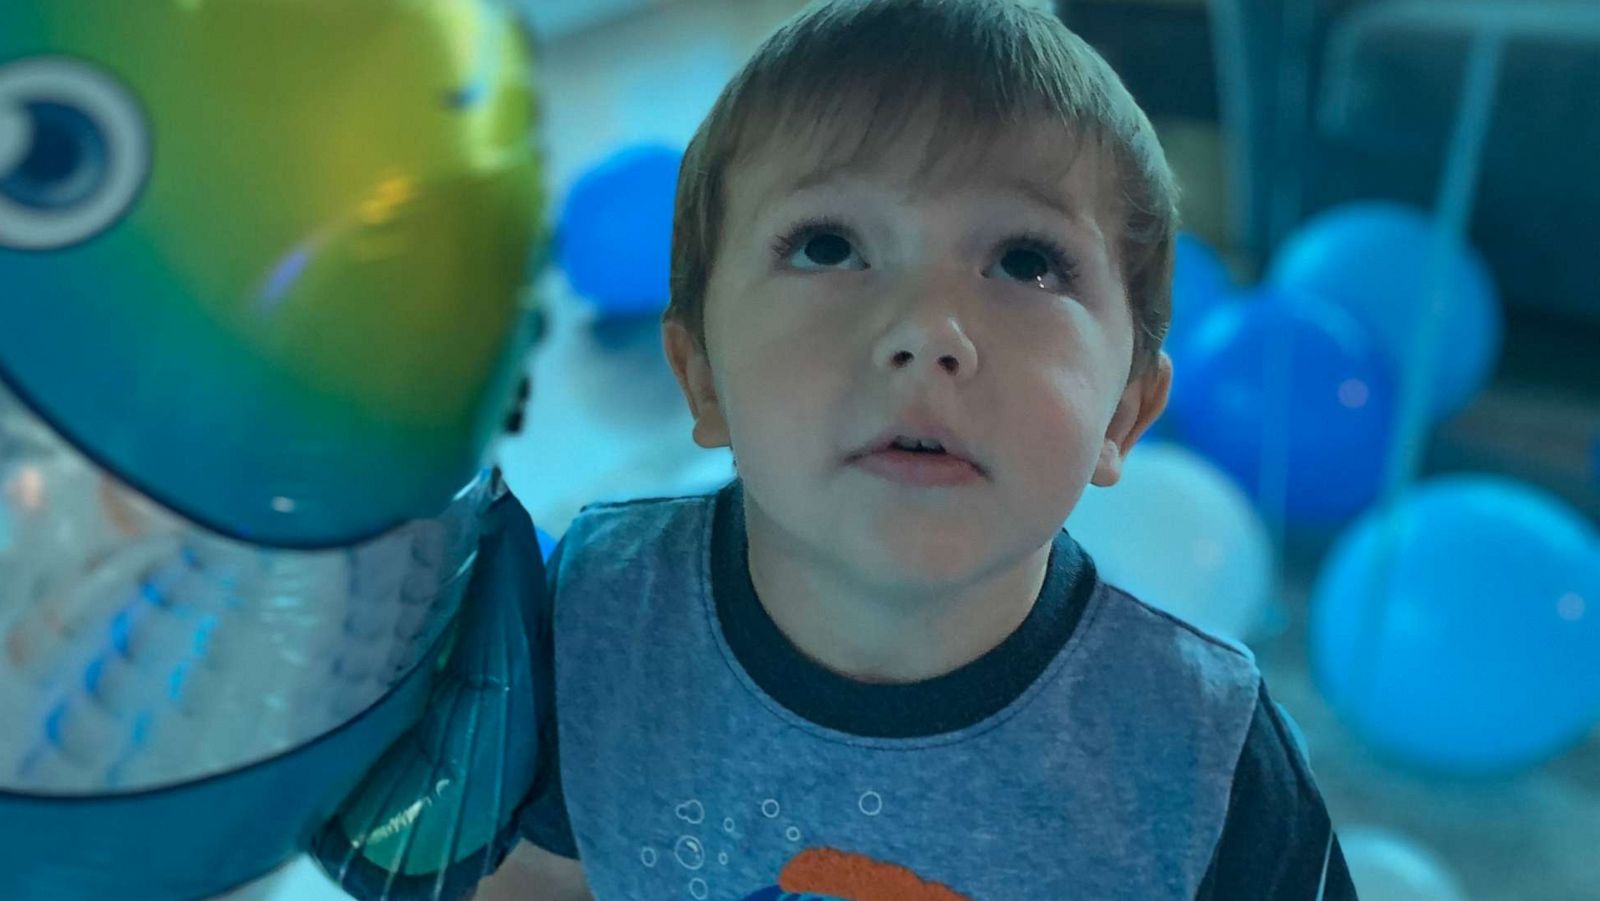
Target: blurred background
<point x="1381" y="467"/>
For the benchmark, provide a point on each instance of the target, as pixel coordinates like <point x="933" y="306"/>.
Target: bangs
<point x="954" y="89"/>
<point x="947" y="141"/>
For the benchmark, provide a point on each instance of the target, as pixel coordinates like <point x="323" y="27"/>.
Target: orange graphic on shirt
<point x="857" y="877"/>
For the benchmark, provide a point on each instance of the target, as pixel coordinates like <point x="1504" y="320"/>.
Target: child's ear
<point x="1142" y="401"/>
<point x="693" y="370"/>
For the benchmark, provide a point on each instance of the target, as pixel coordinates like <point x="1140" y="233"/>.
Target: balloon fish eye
<point x="74" y="153"/>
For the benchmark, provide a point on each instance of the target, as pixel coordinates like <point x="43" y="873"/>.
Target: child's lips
<point x="919" y="469"/>
<point x="921" y="428"/>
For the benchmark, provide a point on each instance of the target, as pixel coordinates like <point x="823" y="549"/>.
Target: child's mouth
<point x="923" y="468"/>
<point x="919" y="451"/>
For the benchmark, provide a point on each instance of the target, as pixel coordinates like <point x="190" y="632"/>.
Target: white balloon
<point x="1177" y="533"/>
<point x="298" y="880"/>
<point x="1385" y="866"/>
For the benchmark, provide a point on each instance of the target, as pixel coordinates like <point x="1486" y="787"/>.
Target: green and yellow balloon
<point x="263" y="259"/>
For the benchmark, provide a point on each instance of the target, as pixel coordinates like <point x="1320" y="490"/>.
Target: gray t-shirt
<point x="694" y="753"/>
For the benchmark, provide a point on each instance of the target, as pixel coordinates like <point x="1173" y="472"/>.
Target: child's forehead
<point x="1048" y="160"/>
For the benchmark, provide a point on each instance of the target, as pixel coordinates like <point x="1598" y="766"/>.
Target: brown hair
<point x="981" y="67"/>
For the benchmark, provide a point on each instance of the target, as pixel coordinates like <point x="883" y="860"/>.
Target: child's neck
<point x="872" y="633"/>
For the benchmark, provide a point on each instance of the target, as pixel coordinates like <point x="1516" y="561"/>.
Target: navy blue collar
<point x="947" y="703"/>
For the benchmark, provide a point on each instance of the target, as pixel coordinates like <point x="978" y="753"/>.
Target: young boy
<point x="920" y="280"/>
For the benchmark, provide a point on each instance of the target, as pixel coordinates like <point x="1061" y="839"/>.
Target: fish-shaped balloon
<point x="263" y="308"/>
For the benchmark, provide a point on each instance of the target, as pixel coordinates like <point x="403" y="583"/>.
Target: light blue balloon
<point x="1373" y="259"/>
<point x="615" y="238"/>
<point x="1472" y="645"/>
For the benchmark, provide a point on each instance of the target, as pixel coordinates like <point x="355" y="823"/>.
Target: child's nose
<point x="924" y="340"/>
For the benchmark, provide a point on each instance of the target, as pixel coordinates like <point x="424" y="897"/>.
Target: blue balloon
<point x="1373" y="259"/>
<point x="1594" y="459"/>
<point x="547" y="543"/>
<point x="1463" y="634"/>
<point x="1328" y="424"/>
<point x="775" y="893"/>
<point x="1200" y="282"/>
<point x="615" y="240"/>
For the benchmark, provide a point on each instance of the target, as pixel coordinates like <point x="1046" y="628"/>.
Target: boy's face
<point x="850" y="304"/>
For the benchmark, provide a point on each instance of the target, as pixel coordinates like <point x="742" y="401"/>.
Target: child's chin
<point x="912" y="559"/>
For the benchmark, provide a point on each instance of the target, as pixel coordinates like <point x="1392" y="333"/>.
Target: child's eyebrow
<point x="1045" y="194"/>
<point x="820" y="177"/>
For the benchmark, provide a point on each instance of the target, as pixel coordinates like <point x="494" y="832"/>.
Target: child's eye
<point x="1025" y="265"/>
<point x="1035" y="261"/>
<point x="816" y="247"/>
<point x="826" y="250"/>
